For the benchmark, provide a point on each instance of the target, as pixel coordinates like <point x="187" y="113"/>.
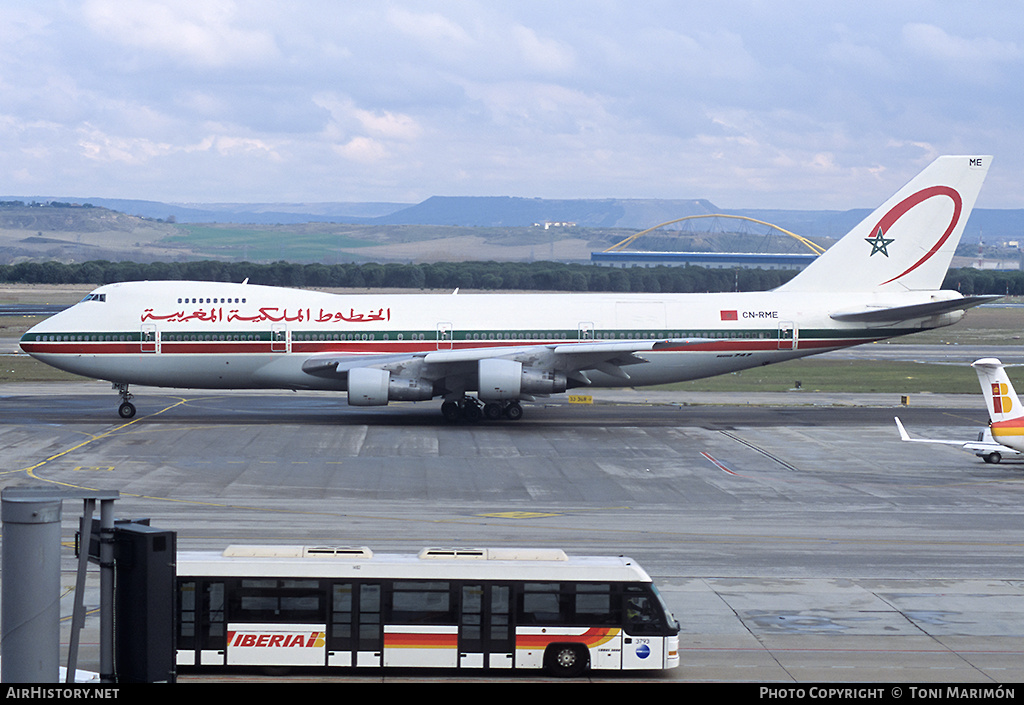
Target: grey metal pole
<point x="78" y="614"/>
<point x="107" y="592"/>
<point x="30" y="620"/>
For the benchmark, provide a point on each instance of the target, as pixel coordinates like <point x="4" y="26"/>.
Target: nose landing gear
<point x="126" y="410"/>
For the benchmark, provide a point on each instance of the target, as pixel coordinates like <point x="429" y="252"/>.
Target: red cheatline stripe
<point x="224" y="347"/>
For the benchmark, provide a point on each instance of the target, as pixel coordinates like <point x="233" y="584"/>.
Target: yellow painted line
<point x="31" y="470"/>
<point x="518" y="515"/>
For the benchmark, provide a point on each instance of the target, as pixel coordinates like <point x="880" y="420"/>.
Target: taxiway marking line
<point x="31" y="470"/>
<point x="718" y="464"/>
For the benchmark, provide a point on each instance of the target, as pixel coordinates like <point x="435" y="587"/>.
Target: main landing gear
<point x="126" y="410"/>
<point x="470" y="409"/>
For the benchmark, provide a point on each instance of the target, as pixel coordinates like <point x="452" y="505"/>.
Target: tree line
<point x="536" y="276"/>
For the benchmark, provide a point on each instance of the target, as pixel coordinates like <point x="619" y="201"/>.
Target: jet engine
<point x="369" y="386"/>
<point x="505" y="380"/>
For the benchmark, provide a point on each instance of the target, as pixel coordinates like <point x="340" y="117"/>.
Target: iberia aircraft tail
<point x="907" y="243"/>
<point x="1006" y="415"/>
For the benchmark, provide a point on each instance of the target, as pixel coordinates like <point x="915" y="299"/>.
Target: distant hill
<point x="992" y="225"/>
<point x="505" y="211"/>
<point x="249" y="213"/>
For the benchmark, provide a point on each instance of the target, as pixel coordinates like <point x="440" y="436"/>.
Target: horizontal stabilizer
<point x="906" y="313"/>
<point x="980" y="447"/>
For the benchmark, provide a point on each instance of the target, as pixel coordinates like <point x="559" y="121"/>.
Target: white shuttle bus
<point x="346" y="607"/>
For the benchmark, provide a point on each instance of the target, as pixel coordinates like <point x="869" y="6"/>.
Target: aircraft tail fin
<point x="1004" y="408"/>
<point x="909" y="241"/>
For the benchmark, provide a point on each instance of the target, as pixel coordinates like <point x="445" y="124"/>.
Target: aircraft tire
<point x="471" y="411"/>
<point x="492" y="411"/>
<point x="451" y="411"/>
<point x="126" y="410"/>
<point x="993" y="457"/>
<point x="514" y="411"/>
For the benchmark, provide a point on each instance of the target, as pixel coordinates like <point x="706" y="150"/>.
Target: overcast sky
<point x="798" y="104"/>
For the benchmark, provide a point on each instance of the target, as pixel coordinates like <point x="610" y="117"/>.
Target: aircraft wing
<point x="571" y="359"/>
<point x="904" y="313"/>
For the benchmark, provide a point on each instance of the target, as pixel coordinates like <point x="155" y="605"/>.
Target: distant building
<point x="708" y="260"/>
<point x="554" y="224"/>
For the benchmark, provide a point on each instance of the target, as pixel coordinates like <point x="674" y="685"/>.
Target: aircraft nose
<point x="26" y="339"/>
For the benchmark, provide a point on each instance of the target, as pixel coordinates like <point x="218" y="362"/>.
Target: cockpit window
<point x="95" y="297"/>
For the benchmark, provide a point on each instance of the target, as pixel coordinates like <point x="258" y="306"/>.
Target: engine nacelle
<point x="505" y="380"/>
<point x="368" y="386"/>
<point x="499" y="380"/>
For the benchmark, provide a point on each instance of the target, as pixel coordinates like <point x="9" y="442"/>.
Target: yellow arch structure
<point x="620" y="246"/>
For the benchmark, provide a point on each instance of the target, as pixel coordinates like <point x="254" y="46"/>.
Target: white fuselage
<point x="224" y="335"/>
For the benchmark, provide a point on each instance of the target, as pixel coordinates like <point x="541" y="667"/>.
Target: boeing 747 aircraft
<point x="1005" y="433"/>
<point x="881" y="280"/>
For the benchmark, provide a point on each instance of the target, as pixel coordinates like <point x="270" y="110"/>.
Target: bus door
<point x="150" y="339"/>
<point x="643" y="641"/>
<point x="486" y="634"/>
<point x="356" y="634"/>
<point x="202" y="637"/>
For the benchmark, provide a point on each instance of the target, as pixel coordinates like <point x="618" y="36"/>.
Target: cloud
<point x="202" y="34"/>
<point x="742" y="102"/>
<point x="935" y="43"/>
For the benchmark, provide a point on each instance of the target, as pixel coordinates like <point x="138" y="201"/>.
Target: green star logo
<point x="879" y="243"/>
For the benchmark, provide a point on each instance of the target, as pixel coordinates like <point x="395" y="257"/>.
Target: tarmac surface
<point x="794" y="536"/>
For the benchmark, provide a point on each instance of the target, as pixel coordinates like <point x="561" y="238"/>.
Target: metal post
<point x="107" y="592"/>
<point x="30" y="623"/>
<point x="78" y="615"/>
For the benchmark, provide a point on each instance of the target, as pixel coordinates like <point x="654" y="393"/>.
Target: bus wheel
<point x="565" y="660"/>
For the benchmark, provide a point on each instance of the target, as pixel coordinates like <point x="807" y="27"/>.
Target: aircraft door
<point x="150" y="339"/>
<point x="279" y="338"/>
<point x="586" y="329"/>
<point x="788" y="336"/>
<point x="445" y="335"/>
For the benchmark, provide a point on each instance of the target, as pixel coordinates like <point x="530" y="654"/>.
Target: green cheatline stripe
<point x="470" y="335"/>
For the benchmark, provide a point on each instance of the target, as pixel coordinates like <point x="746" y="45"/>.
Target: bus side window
<point x="541" y="603"/>
<point x="421" y="602"/>
<point x="596" y="605"/>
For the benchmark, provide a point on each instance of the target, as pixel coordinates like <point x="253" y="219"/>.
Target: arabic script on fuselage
<point x="271" y="314"/>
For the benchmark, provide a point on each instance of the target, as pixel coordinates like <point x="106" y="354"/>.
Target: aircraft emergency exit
<point x="1005" y="433"/>
<point x="879" y="281"/>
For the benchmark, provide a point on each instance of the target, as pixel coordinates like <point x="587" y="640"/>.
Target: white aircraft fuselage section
<point x="222" y="335"/>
